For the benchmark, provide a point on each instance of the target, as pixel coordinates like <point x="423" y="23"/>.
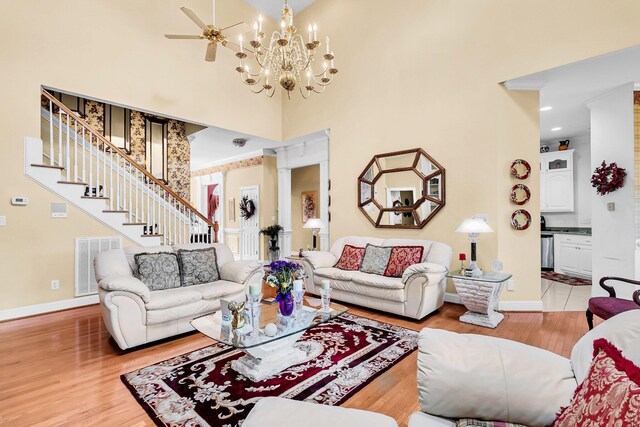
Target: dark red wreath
<point x="608" y="178"/>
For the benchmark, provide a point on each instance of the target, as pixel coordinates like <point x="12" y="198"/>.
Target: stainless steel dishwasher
<point x="546" y="251"/>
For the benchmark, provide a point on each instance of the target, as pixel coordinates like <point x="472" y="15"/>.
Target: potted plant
<point x="272" y="232"/>
<point x="281" y="276"/>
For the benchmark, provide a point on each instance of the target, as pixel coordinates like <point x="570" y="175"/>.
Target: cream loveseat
<point x="135" y="315"/>
<point x="418" y="292"/>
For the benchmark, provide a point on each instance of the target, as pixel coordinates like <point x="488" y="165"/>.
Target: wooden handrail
<point x="123" y="154"/>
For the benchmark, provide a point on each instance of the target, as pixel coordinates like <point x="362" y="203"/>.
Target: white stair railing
<point x="87" y="158"/>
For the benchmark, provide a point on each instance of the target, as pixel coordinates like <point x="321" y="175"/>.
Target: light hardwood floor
<point x="63" y="369"/>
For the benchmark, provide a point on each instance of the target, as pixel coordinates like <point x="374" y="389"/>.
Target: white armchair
<point x="487" y="378"/>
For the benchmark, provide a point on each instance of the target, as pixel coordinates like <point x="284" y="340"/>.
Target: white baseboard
<point x="532" y="305"/>
<point x="47" y="307"/>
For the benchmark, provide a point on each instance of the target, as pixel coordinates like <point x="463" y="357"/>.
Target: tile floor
<point x="560" y="297"/>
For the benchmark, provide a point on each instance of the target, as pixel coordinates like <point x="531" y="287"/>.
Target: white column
<point x="284" y="210"/>
<point x="324" y="204"/>
<point x="221" y="207"/>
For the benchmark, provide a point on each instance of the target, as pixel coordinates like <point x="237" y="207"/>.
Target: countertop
<point x="550" y="231"/>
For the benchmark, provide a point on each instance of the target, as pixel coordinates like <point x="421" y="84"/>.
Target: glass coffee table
<point x="266" y="355"/>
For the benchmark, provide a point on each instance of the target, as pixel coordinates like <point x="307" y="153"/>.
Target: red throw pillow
<point x="609" y="395"/>
<point x="402" y="257"/>
<point x="351" y="258"/>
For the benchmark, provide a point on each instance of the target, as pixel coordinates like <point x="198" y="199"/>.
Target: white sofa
<point x="475" y="376"/>
<point x="135" y="315"/>
<point x="417" y="293"/>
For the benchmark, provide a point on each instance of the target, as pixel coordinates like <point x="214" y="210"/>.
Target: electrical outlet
<point x="3" y="220"/>
<point x="55" y="285"/>
<point x="511" y="285"/>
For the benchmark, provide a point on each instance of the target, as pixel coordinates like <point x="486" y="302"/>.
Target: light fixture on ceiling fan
<point x="239" y="142"/>
<point x="214" y="34"/>
<point x="287" y="58"/>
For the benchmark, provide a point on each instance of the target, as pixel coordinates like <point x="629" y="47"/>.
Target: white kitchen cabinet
<point x="572" y="255"/>
<point x="556" y="181"/>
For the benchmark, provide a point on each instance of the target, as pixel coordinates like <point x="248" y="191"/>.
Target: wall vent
<point x="86" y="250"/>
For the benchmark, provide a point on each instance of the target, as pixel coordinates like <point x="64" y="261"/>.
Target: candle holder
<point x="297" y="299"/>
<point x="255" y="308"/>
<point x="325" y="296"/>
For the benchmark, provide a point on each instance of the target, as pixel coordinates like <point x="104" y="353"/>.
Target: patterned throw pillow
<point x="609" y="395"/>
<point x="467" y="422"/>
<point x="158" y="271"/>
<point x="375" y="259"/>
<point x="402" y="257"/>
<point x="351" y="258"/>
<point x="198" y="266"/>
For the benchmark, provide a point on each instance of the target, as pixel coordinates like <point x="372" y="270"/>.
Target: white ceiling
<point x="214" y="145"/>
<point x="568" y="88"/>
<point x="273" y="8"/>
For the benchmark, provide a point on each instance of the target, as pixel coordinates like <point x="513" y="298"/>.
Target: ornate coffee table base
<point x="480" y="296"/>
<point x="266" y="360"/>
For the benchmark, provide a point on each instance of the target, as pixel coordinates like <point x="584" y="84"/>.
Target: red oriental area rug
<point x="567" y="280"/>
<point x="201" y="389"/>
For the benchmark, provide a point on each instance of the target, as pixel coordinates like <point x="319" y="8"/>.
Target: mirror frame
<point x="418" y="224"/>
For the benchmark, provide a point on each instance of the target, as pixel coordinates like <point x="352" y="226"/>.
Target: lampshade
<point x="313" y="223"/>
<point x="473" y="225"/>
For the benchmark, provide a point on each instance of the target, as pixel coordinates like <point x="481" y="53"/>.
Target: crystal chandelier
<point x="288" y="59"/>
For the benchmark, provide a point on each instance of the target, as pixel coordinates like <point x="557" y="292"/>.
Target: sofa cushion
<point x="111" y="263"/>
<point x="198" y="266"/>
<point x="158" y="271"/>
<point x="351" y="258"/>
<point x="218" y="289"/>
<point x="132" y="251"/>
<point x="375" y="259"/>
<point x="402" y="257"/>
<point x="425" y="244"/>
<point x="334" y="273"/>
<point x="368" y="285"/>
<point x="377" y="281"/>
<point x="609" y="395"/>
<point x="167" y="298"/>
<point x="469" y="422"/>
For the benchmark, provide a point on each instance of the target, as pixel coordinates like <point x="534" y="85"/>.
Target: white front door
<point x="249" y="228"/>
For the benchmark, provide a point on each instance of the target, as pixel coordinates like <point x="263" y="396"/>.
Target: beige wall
<point x="433" y="82"/>
<point x="303" y="179"/>
<point x="143" y="69"/>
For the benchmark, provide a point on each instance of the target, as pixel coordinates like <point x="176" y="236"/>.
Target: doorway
<point x="250" y="227"/>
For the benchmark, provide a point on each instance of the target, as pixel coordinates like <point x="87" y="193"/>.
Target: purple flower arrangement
<point x="282" y="274"/>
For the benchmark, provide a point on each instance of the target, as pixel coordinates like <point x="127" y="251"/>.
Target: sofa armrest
<point x="128" y="284"/>
<point x="429" y="268"/>
<point x="239" y="271"/>
<point x="320" y="259"/>
<point x="491" y="379"/>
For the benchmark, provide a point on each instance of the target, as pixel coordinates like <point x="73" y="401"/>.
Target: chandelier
<point x="288" y="59"/>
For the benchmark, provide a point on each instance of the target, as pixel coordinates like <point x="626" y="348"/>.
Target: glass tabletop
<point x="487" y="276"/>
<point x="311" y="315"/>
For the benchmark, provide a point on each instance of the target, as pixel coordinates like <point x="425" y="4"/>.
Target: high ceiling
<point x="273" y="8"/>
<point x="568" y="89"/>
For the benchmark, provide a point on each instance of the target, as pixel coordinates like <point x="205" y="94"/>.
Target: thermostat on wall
<point x="19" y="201"/>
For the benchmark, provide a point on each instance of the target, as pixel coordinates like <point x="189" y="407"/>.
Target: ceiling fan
<point x="213" y="34"/>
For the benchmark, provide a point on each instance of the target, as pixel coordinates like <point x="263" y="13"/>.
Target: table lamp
<point x="314" y="224"/>
<point x="473" y="227"/>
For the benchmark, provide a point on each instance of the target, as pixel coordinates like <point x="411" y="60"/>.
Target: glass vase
<point x="286" y="304"/>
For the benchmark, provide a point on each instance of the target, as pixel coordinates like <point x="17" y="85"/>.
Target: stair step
<point x="36" y="165"/>
<point x="114" y="211"/>
<point x="95" y="197"/>
<point x="151" y="235"/>
<point x="72" y="183"/>
<point x="134" y="223"/>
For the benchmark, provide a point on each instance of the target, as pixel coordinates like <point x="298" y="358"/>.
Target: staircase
<point x="80" y="165"/>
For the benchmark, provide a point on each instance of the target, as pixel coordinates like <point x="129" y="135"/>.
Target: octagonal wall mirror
<point x="403" y="189"/>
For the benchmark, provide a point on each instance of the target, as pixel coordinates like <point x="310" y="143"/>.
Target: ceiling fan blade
<point x="236" y="47"/>
<point x="210" y="56"/>
<point x="192" y="15"/>
<point x="181" y="36"/>
<point x="233" y="31"/>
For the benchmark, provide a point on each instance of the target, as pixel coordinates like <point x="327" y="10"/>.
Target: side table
<point x="480" y="296"/>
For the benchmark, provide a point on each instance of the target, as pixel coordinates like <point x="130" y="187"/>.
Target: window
<point x="117" y="126"/>
<point x="156" y="136"/>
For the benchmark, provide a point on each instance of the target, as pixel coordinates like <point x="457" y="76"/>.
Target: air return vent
<point x="86" y="250"/>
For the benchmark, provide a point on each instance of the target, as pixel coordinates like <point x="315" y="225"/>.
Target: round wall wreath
<point x="247" y="207"/>
<point x="608" y="178"/>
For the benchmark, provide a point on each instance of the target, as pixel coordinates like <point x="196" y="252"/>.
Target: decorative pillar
<point x="284" y="210"/>
<point x="324" y="204"/>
